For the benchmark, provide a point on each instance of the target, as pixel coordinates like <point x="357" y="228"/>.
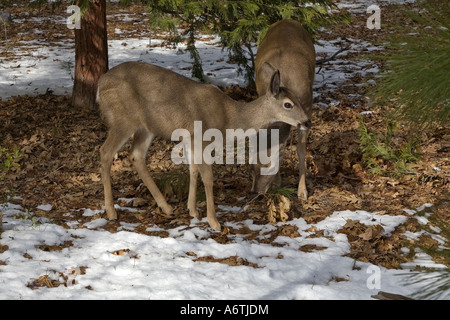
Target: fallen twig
<point x="381" y="295"/>
<point x="325" y="60"/>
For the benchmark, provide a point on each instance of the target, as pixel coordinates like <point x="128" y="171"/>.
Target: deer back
<point x="288" y="47"/>
<point x="140" y="94"/>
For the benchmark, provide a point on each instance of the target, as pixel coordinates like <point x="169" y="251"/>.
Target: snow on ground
<point x="97" y="264"/>
<point x="360" y="6"/>
<point x="53" y="68"/>
<point x="41" y="67"/>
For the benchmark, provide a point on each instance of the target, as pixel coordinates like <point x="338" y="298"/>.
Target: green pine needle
<point x="417" y="80"/>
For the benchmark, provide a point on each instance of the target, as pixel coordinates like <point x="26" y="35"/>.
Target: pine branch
<point x="417" y="82"/>
<point x="238" y="23"/>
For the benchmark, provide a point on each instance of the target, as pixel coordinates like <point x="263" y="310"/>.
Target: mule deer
<point x="145" y="100"/>
<point x="287" y="47"/>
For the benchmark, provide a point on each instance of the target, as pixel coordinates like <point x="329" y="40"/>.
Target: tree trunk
<point x="91" y="54"/>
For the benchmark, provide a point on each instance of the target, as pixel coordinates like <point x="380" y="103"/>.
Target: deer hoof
<point x="195" y="214"/>
<point x="168" y="211"/>
<point x="302" y="194"/>
<point x="111" y="214"/>
<point x="215" y="225"/>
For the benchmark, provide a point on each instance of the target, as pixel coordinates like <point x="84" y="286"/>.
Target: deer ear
<point x="263" y="77"/>
<point x="275" y="82"/>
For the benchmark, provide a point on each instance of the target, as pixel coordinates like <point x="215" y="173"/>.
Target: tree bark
<point x="91" y="54"/>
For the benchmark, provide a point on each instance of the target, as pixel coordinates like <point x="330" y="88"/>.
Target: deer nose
<point x="305" y="125"/>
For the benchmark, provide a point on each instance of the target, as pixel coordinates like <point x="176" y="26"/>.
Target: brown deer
<point x="144" y="101"/>
<point x="287" y="47"/>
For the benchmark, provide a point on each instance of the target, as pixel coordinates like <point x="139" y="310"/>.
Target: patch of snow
<point x="45" y="207"/>
<point x="152" y="267"/>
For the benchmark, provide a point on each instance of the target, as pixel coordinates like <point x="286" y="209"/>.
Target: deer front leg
<point x="302" y="192"/>
<point x="192" y="200"/>
<point x="141" y="143"/>
<point x="207" y="177"/>
<point x="113" y="143"/>
<point x="111" y="213"/>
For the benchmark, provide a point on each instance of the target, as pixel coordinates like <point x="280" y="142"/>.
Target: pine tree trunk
<point x="91" y="54"/>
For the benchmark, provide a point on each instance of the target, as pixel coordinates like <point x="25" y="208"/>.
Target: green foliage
<point x="174" y="183"/>
<point x="435" y="284"/>
<point x="383" y="153"/>
<point x="83" y="4"/>
<point x="239" y="24"/>
<point x="28" y="216"/>
<point x="8" y="160"/>
<point x="417" y="80"/>
<point x="288" y="192"/>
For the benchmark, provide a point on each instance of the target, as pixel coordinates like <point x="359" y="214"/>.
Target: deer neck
<point x="241" y="115"/>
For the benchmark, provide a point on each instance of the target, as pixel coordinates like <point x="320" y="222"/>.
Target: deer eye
<point x="288" y="105"/>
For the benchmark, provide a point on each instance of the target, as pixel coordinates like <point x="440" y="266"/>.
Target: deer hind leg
<point x="142" y="140"/>
<point x="261" y="183"/>
<point x="302" y="192"/>
<point x="115" y="140"/>
<point x="192" y="200"/>
<point x="207" y="177"/>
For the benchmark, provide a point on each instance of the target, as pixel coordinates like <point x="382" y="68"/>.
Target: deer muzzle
<point x="304" y="125"/>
